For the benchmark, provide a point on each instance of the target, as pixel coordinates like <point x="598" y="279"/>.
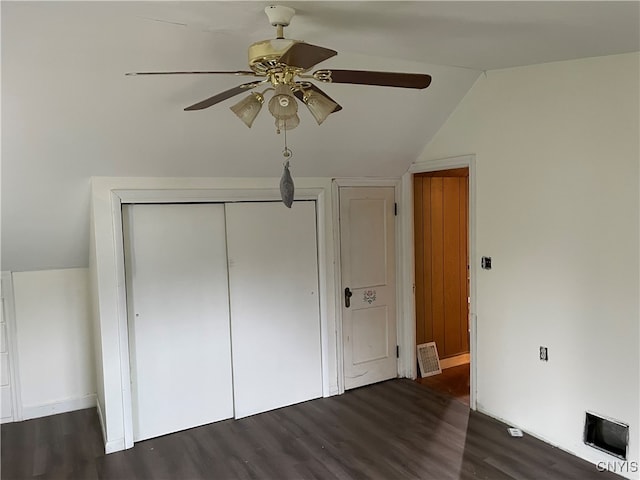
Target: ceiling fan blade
<point x="238" y="72"/>
<point x="300" y="96"/>
<point x="383" y="79"/>
<point x="232" y="92"/>
<point x="305" y="55"/>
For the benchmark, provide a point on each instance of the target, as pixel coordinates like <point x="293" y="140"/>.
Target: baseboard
<point x="101" y="419"/>
<point x="538" y="436"/>
<point x="114" y="446"/>
<point x="455" y="361"/>
<point x="68" y="405"/>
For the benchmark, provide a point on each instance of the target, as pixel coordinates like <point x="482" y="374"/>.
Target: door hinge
<point x="397" y="351"/>
<point x="395" y="209"/>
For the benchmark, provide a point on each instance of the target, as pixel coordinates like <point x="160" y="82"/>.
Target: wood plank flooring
<point x="392" y="430"/>
<point x="454" y="381"/>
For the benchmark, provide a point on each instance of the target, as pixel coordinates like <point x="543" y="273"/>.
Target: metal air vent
<point x="428" y="359"/>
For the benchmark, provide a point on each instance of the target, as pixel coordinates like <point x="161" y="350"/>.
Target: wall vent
<point x="428" y="359"/>
<point x="605" y="434"/>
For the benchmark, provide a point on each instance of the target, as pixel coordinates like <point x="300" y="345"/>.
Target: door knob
<point x="347" y="297"/>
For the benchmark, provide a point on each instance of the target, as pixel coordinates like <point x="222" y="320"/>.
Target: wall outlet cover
<point x="544" y="354"/>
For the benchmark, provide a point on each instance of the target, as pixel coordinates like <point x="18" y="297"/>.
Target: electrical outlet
<point x="544" y="354"/>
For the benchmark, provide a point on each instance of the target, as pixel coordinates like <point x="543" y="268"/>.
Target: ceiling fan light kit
<point x="319" y="105"/>
<point x="282" y="65"/>
<point x="287" y="123"/>
<point x="283" y="104"/>
<point x="248" y="108"/>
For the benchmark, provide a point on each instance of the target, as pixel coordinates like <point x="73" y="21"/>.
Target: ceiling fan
<point x="282" y="64"/>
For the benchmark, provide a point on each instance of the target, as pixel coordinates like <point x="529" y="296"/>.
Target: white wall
<point x="557" y="152"/>
<point x="53" y="331"/>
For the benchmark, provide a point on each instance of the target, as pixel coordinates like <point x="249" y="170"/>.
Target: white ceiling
<point x="69" y="113"/>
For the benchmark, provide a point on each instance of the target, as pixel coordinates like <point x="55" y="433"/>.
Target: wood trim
<point x="337" y="274"/>
<point x="409" y="321"/>
<point x="117" y="199"/>
<point x="464" y="265"/>
<point x="367" y="182"/>
<point x="63" y="406"/>
<point x="455" y="361"/>
<point x="185" y="195"/>
<point x="454" y="172"/>
<point x="329" y="385"/>
<point x="8" y="304"/>
<point x="419" y="260"/>
<point x="449" y="163"/>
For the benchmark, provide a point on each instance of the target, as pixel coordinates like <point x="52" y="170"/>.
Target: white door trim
<point x="8" y="303"/>
<point x="335" y="196"/>
<point x="124" y="196"/>
<point x="408" y="261"/>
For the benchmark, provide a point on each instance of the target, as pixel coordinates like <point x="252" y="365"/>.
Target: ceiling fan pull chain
<point x="286" y="153"/>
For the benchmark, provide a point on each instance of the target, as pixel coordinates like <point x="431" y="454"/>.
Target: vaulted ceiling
<point x="69" y="113"/>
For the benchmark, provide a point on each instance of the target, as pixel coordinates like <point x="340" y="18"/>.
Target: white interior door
<point x="275" y="320"/>
<point x="367" y="250"/>
<point x="179" y="333"/>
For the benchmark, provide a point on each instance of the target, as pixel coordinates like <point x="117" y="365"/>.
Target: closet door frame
<point x="137" y="196"/>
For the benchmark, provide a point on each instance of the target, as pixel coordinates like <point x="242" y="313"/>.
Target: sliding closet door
<point x="179" y="334"/>
<point x="275" y="321"/>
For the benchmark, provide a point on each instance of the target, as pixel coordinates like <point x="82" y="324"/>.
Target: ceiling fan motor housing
<point x="264" y="55"/>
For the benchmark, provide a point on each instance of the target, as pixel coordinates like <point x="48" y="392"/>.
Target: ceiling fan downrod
<point x="279" y="17"/>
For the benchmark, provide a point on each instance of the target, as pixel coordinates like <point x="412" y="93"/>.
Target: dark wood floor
<point x="392" y="430"/>
<point x="454" y="381"/>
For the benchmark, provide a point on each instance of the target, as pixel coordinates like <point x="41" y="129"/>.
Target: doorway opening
<point x="442" y="279"/>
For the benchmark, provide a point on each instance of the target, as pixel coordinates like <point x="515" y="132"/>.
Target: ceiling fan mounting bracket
<point x="279" y="16"/>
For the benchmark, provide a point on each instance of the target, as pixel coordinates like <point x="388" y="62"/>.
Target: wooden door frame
<point x="9" y="313"/>
<point x="336" y="184"/>
<point x="119" y="196"/>
<point x="408" y="264"/>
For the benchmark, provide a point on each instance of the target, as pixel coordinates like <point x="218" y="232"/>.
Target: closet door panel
<point x="275" y="320"/>
<point x="178" y="310"/>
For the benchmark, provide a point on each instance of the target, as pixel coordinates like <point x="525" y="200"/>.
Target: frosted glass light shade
<point x="248" y="108"/>
<point x="319" y="105"/>
<point x="287" y="123"/>
<point x="283" y="104"/>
